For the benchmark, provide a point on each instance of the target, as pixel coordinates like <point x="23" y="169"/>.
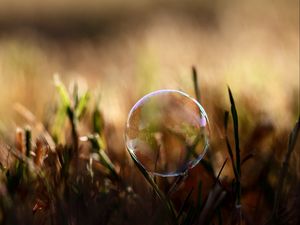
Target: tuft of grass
<point x="74" y="181"/>
<point x="72" y="108"/>
<point x="98" y="148"/>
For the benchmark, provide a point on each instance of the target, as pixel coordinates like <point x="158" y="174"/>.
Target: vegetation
<point x="61" y="173"/>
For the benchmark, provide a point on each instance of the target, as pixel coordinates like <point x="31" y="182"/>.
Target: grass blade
<point x="236" y="132"/>
<point x="98" y="121"/>
<point x="230" y="152"/>
<point x="82" y="105"/>
<point x="62" y="91"/>
<point x="97" y="145"/>
<point x="237" y="147"/>
<point x="184" y="205"/>
<point x="196" y="86"/>
<point x="291" y="145"/>
<point x="166" y="201"/>
<point x="27" y="141"/>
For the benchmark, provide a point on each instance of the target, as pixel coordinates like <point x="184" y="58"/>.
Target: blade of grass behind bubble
<point x="160" y="194"/>
<point x="194" y="211"/>
<point x="184" y="204"/>
<point x="208" y="167"/>
<point x="190" y="216"/>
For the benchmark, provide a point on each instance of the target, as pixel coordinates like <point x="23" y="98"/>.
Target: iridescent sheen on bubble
<point x="167" y="132"/>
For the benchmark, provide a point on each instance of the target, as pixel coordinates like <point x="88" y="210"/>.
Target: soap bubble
<point x="167" y="132"/>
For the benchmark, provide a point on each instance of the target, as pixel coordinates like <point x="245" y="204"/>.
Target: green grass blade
<point x="236" y="132"/>
<point x="58" y="124"/>
<point x="75" y="95"/>
<point x="229" y="148"/>
<point x="97" y="121"/>
<point x="237" y="147"/>
<point x="97" y="145"/>
<point x="82" y="105"/>
<point x="62" y="91"/>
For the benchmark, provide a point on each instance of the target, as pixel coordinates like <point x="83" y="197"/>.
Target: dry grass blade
<point x="196" y="86"/>
<point x="31" y="119"/>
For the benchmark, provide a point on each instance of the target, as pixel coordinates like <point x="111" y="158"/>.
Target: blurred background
<point x="122" y="50"/>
